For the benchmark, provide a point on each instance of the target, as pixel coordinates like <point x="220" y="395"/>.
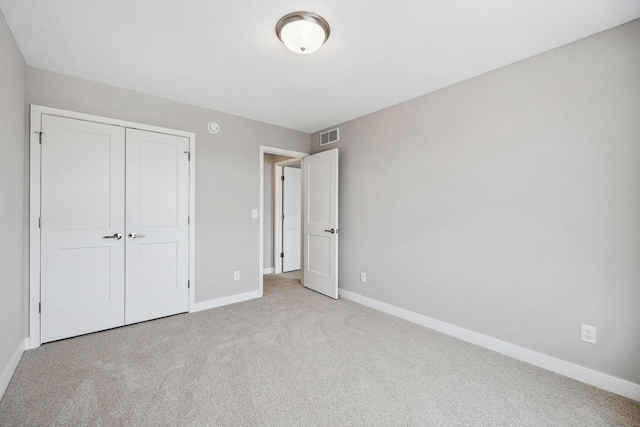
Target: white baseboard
<point x="269" y="270"/>
<point x="571" y="370"/>
<point x="11" y="368"/>
<point x="219" y="302"/>
<point x="28" y="344"/>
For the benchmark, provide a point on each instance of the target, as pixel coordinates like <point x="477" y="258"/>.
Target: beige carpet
<point x="298" y="358"/>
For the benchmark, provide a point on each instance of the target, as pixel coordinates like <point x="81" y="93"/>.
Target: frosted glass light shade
<point x="302" y="32"/>
<point x="302" y="36"/>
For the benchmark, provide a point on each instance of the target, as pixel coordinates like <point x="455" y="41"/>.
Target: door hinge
<point x="39" y="222"/>
<point x="188" y="284"/>
<point x="282" y="177"/>
<point x="282" y="216"/>
<point x="189" y="220"/>
<point x="40" y="137"/>
<point x="281" y="254"/>
<point x="188" y="153"/>
<point x="39" y="307"/>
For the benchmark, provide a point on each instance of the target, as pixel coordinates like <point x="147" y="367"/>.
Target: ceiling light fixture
<point x="302" y="32"/>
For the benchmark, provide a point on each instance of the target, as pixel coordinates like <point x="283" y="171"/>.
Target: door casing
<point x="37" y="111"/>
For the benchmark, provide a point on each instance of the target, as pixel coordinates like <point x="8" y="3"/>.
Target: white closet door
<point x="82" y="209"/>
<point x="157" y="241"/>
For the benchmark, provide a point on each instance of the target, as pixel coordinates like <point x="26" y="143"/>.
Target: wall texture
<point x="508" y="204"/>
<point x="13" y="120"/>
<point x="227" y="170"/>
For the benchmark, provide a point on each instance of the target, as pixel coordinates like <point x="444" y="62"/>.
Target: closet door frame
<point x="35" y="135"/>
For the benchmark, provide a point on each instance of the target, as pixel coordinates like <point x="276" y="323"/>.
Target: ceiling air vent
<point x="329" y="136"/>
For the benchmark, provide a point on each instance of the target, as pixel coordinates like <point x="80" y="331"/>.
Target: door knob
<point x="116" y="236"/>
<point x="332" y="231"/>
<point x="135" y="236"/>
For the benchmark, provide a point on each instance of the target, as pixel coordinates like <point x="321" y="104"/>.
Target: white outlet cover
<point x="236" y="275"/>
<point x="588" y="333"/>
<point x="254" y="213"/>
<point x="363" y="277"/>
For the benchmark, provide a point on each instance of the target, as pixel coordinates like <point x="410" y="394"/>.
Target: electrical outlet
<point x="254" y="213"/>
<point x="363" y="277"/>
<point x="588" y="333"/>
<point x="236" y="275"/>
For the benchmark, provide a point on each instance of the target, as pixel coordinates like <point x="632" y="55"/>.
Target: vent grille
<point x="330" y="136"/>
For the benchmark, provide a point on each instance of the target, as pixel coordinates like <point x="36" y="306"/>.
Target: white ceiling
<point x="224" y="54"/>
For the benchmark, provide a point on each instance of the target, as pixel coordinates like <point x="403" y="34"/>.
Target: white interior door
<point x="157" y="232"/>
<point x="291" y="221"/>
<point x="82" y="215"/>
<point x="320" y="210"/>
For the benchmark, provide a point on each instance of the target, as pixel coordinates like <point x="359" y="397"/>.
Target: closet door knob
<point x="135" y="236"/>
<point x="116" y="236"/>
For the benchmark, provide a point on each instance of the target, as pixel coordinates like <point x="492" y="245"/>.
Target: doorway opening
<point x="319" y="249"/>
<point x="269" y="156"/>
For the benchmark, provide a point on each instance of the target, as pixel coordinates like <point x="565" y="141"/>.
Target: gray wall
<point x="227" y="170"/>
<point x="508" y="204"/>
<point x="12" y="194"/>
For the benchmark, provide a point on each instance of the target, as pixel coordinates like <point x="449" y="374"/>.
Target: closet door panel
<point x="157" y="210"/>
<point x="82" y="209"/>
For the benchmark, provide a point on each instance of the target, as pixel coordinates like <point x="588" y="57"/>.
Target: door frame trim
<point x="280" y="152"/>
<point x="35" y="128"/>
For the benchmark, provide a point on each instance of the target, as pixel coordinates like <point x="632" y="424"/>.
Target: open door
<point x="320" y="222"/>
